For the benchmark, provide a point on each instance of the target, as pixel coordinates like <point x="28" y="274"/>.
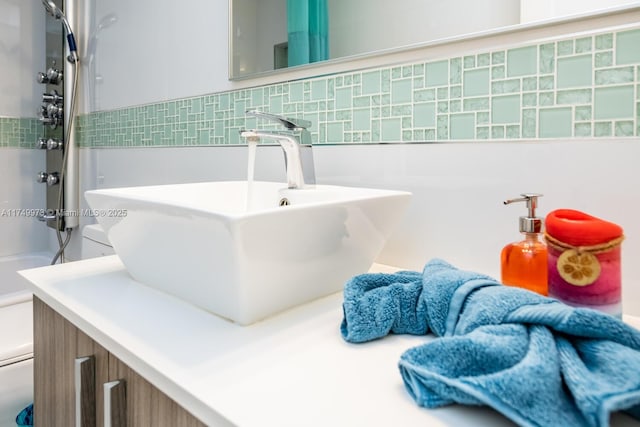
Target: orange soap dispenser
<point x="524" y="263"/>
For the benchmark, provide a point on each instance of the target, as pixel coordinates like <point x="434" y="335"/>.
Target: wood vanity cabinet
<point x="61" y="352"/>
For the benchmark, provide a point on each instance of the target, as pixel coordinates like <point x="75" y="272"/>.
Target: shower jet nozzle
<point x="55" y="11"/>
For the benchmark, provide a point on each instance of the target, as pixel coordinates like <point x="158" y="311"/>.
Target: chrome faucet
<point x="295" y="141"/>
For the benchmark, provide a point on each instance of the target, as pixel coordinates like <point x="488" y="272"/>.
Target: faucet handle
<point x="289" y="123"/>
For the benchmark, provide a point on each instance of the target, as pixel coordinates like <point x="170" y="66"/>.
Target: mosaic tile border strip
<point x="577" y="87"/>
<point x="19" y="132"/>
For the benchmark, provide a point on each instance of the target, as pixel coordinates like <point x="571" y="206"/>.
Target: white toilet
<point x="95" y="242"/>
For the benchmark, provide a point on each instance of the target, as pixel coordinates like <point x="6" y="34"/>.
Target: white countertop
<point x="293" y="369"/>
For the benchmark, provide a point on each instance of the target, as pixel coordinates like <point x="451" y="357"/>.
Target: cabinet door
<point x="146" y="405"/>
<point x="56" y="345"/>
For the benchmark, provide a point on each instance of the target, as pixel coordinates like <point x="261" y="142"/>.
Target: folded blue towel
<point x="537" y="361"/>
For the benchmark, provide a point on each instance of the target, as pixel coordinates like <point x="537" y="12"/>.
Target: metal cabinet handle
<point x="85" y="391"/>
<point x="115" y="404"/>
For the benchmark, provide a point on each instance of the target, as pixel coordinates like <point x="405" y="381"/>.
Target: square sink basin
<point x="246" y="250"/>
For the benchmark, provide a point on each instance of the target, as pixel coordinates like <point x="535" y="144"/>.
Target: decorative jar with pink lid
<point x="584" y="260"/>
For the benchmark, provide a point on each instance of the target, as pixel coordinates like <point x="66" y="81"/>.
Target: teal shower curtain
<point x="308" y="31"/>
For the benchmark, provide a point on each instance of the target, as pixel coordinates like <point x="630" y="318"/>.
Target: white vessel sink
<point x="230" y="248"/>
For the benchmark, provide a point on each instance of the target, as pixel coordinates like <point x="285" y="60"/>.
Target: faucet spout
<point x="295" y="141"/>
<point x="292" y="154"/>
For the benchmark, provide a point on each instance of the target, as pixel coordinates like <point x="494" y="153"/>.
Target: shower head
<point x="55" y="11"/>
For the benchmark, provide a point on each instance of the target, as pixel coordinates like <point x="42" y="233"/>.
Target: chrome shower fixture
<point x="55" y="11"/>
<point x="52" y="76"/>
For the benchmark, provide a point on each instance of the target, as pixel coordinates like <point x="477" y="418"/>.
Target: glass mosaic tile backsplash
<point x="586" y="86"/>
<point x="19" y="132"/>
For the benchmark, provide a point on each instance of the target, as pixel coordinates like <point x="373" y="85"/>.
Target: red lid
<point x="580" y="229"/>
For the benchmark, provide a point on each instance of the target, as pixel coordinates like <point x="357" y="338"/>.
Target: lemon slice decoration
<point x="578" y="269"/>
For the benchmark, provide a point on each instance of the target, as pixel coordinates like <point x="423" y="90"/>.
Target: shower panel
<point x="56" y="116"/>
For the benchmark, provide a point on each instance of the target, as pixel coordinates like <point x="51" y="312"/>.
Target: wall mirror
<point x="268" y="36"/>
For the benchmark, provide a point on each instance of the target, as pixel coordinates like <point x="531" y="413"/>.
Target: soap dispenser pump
<point x="524" y="263"/>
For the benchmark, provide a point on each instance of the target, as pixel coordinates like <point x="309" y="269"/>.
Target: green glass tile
<point x="565" y="47"/>
<point x="418" y="82"/>
<point x="361" y="120"/>
<point x="522" y="61"/>
<point x="429" y="135"/>
<point x="602" y="129"/>
<point x="547" y="58"/>
<point x="505" y="109"/>
<point x="343" y="98"/>
<point x="391" y="130"/>
<point x="407" y="71"/>
<point x="529" y="84"/>
<point x="443" y="93"/>
<point x="555" y="123"/>
<point x="219" y="127"/>
<point x="318" y="90"/>
<point x="469" y="62"/>
<point x="482" y="117"/>
<point x="624" y="128"/>
<point x="443" y="127"/>
<point x="361" y="101"/>
<point x="578" y="96"/>
<point x="627" y="43"/>
<point x="583" y="45"/>
<point x="401" y="110"/>
<point x="528" y="123"/>
<point x="613" y="102"/>
<point x="437" y="73"/>
<point x="483" y="60"/>
<point x="497" y="58"/>
<point x="401" y="91"/>
<point x="334" y="132"/>
<point x="497" y="132"/>
<point x="614" y="76"/>
<point x="513" y="132"/>
<point x="529" y="99"/>
<point x="275" y="104"/>
<point x="482" y="132"/>
<point x="256" y="97"/>
<point x="582" y="129"/>
<point x="498" y="72"/>
<point x="604" y="41"/>
<point x="603" y="59"/>
<point x="455" y="65"/>
<point x="476" y="82"/>
<point x="475" y="104"/>
<point x="455" y="92"/>
<point x="455" y="106"/>
<point x="546" y="83"/>
<point x="424" y="95"/>
<point x="296" y="92"/>
<point x="418" y="135"/>
<point x="443" y="107"/>
<point x="574" y="72"/>
<point x="583" y="113"/>
<point x="505" y="86"/>
<point x="546" y="99"/>
<point x="371" y="83"/>
<point x="462" y="126"/>
<point x="418" y="69"/>
<point x="396" y="72"/>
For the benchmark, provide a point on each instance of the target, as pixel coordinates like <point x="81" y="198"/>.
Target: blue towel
<point x="534" y="359"/>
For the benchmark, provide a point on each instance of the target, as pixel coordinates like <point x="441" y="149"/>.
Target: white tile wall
<point x="456" y="212"/>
